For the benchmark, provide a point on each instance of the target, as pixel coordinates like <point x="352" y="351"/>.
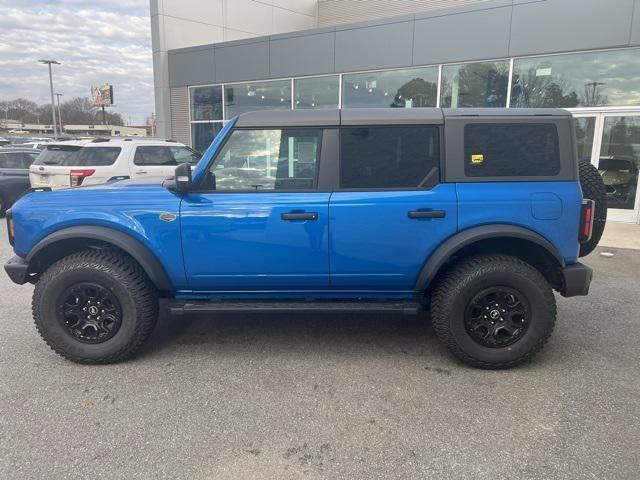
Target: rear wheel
<point x="593" y="188"/>
<point x="95" y="306"/>
<point x="493" y="311"/>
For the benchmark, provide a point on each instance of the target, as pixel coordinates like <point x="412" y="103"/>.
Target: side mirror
<point x="183" y="177"/>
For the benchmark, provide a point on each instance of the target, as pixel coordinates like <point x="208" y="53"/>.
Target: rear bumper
<point x="576" y="279"/>
<point x="17" y="269"/>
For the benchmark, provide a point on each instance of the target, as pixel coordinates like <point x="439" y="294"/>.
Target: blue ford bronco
<point x="472" y="215"/>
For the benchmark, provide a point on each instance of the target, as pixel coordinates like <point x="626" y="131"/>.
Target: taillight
<point x="11" y="230"/>
<point x="76" y="177"/>
<point x="586" y="220"/>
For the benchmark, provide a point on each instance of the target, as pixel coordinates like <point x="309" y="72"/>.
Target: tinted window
<point x="75" y="156"/>
<point x="153" y="156"/>
<point x="202" y="134"/>
<point x="94" y="157"/>
<point x="56" y="154"/>
<point x="388" y="157"/>
<point x="511" y="150"/>
<point x="206" y="103"/>
<point x="268" y="160"/>
<point x="184" y="155"/>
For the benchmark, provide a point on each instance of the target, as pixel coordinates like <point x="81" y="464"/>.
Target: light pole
<point x="53" y="106"/>
<point x="58" y="95"/>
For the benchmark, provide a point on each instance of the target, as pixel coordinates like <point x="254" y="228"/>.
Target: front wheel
<point x="493" y="311"/>
<point x="95" y="306"/>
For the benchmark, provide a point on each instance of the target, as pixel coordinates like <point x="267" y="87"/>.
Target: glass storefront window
<point x="585" y="129"/>
<point x="413" y="87"/>
<point x="480" y="84"/>
<point x="619" y="160"/>
<point x="206" y="103"/>
<point x="319" y="92"/>
<point x="202" y="134"/>
<point x="247" y="97"/>
<point x="590" y="79"/>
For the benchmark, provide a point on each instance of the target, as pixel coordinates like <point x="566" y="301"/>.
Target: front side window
<point x="153" y="156"/>
<point x="511" y="150"/>
<point x="275" y="159"/>
<point x="184" y="155"/>
<point x="389" y="157"/>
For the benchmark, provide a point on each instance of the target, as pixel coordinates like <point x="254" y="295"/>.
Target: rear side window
<point x="153" y="156"/>
<point x="389" y="157"/>
<point x="94" y="157"/>
<point x="511" y="150"/>
<point x="184" y="155"/>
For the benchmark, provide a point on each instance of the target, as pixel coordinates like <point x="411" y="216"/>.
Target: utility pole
<point x="53" y="106"/>
<point x="58" y="95"/>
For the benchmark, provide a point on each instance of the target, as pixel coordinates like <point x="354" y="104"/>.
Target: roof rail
<point x="100" y="140"/>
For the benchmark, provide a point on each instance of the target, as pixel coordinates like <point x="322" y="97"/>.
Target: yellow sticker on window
<point x="477" y="158"/>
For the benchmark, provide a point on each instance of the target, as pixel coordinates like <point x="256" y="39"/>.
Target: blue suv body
<point x="460" y="212"/>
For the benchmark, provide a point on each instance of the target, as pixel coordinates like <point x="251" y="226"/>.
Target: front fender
<point x="135" y="248"/>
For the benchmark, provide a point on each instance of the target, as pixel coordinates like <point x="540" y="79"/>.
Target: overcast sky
<point x="96" y="41"/>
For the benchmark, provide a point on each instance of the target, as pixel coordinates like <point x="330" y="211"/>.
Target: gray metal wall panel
<point x="562" y="25"/>
<point x="247" y="61"/>
<point x="180" y="115"/>
<point x="473" y="35"/>
<point x="382" y="46"/>
<point x="635" y="25"/>
<point x="191" y="67"/>
<point x="306" y="55"/>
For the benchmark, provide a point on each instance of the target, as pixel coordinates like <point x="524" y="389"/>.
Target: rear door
<point x="264" y="227"/>
<point x="390" y="211"/>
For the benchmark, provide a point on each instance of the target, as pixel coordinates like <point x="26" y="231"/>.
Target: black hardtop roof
<point x="380" y="116"/>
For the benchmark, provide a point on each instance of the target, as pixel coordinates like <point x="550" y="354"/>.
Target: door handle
<point x="141" y="171"/>
<point x="427" y="214"/>
<point x="300" y="216"/>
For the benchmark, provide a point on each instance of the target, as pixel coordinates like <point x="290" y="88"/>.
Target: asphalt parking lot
<point x="310" y="396"/>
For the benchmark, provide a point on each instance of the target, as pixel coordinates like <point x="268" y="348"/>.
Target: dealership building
<point x="214" y="59"/>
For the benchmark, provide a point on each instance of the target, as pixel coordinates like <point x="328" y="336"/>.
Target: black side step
<point x="200" y="307"/>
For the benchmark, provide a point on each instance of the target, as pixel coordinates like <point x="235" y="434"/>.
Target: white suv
<point x="90" y="162"/>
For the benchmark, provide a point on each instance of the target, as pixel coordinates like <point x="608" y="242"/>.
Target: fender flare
<point x="466" y="237"/>
<point x="132" y="246"/>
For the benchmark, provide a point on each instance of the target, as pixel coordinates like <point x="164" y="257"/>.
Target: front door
<point x="264" y="227"/>
<point x="611" y="140"/>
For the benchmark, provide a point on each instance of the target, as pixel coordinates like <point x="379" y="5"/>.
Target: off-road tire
<point x="120" y="275"/>
<point x="593" y="188"/>
<point x="462" y="281"/>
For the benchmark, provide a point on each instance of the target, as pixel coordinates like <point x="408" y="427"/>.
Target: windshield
<point x="76" y="156"/>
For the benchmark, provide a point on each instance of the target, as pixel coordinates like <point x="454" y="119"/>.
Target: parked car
<point x="14" y="174"/>
<point x="90" y="162"/>
<point x="475" y="215"/>
<point x="620" y="175"/>
<point x="4" y="141"/>
<point x="35" y="145"/>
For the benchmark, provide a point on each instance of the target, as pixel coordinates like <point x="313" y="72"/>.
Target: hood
<point x="612" y="177"/>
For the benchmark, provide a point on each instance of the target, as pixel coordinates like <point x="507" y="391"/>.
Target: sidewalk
<point x="621" y="235"/>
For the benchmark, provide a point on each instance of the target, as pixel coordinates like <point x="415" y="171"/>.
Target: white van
<point x="90" y="162"/>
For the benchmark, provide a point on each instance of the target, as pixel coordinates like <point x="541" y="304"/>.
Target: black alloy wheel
<point x="90" y="313"/>
<point x="497" y="317"/>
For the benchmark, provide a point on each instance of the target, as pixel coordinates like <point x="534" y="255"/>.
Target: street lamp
<point x="53" y="107"/>
<point x="58" y="95"/>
